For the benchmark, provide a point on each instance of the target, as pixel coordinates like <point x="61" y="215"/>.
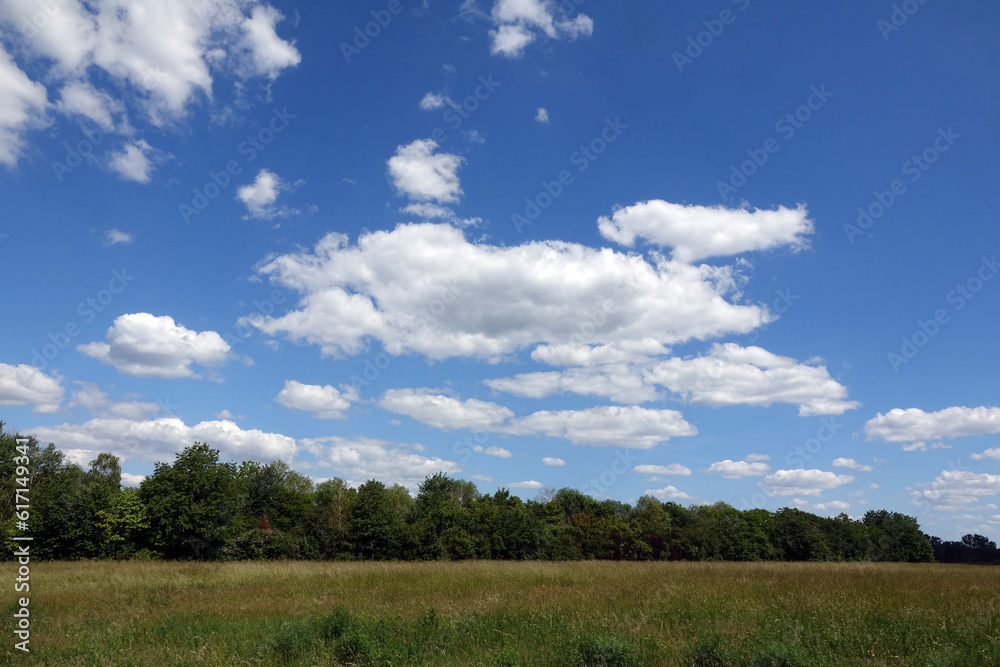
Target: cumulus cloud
<point x="552" y="461"/>
<point x="419" y="172"/>
<point x="915" y="425"/>
<point x="160" y="439"/>
<point x="520" y="22"/>
<point x="611" y="426"/>
<point x="526" y="485"/>
<point x="542" y="115"/>
<point x="27" y="385"/>
<point x="324" y="401"/>
<point x="435" y="101"/>
<point x="733" y="375"/>
<point x="360" y="459"/>
<point x="668" y="493"/>
<point x="144" y="345"/>
<point x="851" y="464"/>
<point x="727" y="375"/>
<point x="424" y="288"/>
<point x="698" y="232"/>
<point x="163" y="56"/>
<point x="803" y="482"/>
<point x="738" y="469"/>
<point x="955" y="490"/>
<point x="23" y="104"/>
<point x="90" y="397"/>
<point x="499" y="452"/>
<point x="444" y="412"/>
<point x="132" y="162"/>
<point x="673" y="469"/>
<point x="991" y="453"/>
<point x="260" y="196"/>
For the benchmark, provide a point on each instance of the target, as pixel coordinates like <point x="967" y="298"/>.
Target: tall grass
<point x="502" y="613"/>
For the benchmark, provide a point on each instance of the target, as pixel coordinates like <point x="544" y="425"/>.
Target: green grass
<point x="509" y="614"/>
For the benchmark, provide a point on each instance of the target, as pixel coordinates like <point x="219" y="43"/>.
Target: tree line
<point x="201" y="508"/>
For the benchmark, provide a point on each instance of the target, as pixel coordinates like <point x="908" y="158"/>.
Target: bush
<point x="334" y="625"/>
<point x="607" y="651"/>
<point x="356" y="648"/>
<point x="291" y="640"/>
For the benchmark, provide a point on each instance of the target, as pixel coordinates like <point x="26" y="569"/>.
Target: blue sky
<point x="706" y="251"/>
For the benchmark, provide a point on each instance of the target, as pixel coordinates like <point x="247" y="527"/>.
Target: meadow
<point x="510" y="613"/>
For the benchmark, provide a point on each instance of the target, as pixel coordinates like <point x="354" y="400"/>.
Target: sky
<point x="719" y="251"/>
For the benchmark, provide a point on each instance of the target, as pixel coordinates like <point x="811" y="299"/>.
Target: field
<point x="499" y="613"/>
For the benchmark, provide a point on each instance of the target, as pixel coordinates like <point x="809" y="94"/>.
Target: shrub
<point x="607" y="651"/>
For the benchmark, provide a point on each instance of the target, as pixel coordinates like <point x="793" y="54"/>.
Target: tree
<point x="375" y="523"/>
<point x="897" y="537"/>
<point x="190" y="503"/>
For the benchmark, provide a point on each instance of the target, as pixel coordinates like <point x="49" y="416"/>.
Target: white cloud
<point x="738" y="469"/>
<point x="833" y="506"/>
<point x="552" y="461"/>
<point x="612" y="426"/>
<point x="670" y="470"/>
<point x="361" y="459"/>
<point x="481" y="478"/>
<point x="526" y="485"/>
<point x="27" y="385"/>
<point x="324" y="401"/>
<point x="90" y="397"/>
<point x="851" y="464"/>
<point x="915" y="425"/>
<point x="143" y="345"/>
<point x="803" y="482"/>
<point x="424" y="288"/>
<point x="519" y="22"/>
<point x="435" y="101"/>
<point x="991" y="453"/>
<point x="419" y="172"/>
<point x="22" y="107"/>
<point x="226" y="414"/>
<point x="757" y="457"/>
<point x="116" y="236"/>
<point x="697" y="232"/>
<point x="733" y="375"/>
<point x="444" y="412"/>
<point x="727" y="375"/>
<point x="160" y="439"/>
<point x="162" y="55"/>
<point x="619" y="382"/>
<point x="83" y="99"/>
<point x="267" y="53"/>
<point x="542" y="115"/>
<point x="954" y="490"/>
<point x="128" y="479"/>
<point x="132" y="163"/>
<point x="499" y="452"/>
<point x="668" y="493"/>
<point x="260" y="196"/>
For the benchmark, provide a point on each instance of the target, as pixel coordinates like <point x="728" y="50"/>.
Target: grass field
<point x="497" y="613"/>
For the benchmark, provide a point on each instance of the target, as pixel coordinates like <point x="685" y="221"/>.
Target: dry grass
<point x="497" y="613"/>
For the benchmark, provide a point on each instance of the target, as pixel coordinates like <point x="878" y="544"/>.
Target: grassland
<point x="496" y="614"/>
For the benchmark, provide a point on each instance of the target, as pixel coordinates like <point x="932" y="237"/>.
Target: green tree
<point x="190" y="503"/>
